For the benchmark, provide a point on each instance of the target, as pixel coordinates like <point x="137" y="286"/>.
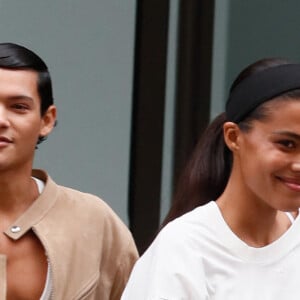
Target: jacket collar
<point x="37" y="210"/>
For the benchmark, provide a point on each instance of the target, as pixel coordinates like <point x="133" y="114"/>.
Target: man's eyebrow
<point x="19" y="97"/>
<point x="288" y="133"/>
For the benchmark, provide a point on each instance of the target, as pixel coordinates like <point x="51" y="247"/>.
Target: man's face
<point x="21" y="122"/>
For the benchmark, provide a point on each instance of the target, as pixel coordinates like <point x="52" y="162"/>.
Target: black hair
<point x="17" y="57"/>
<point x="208" y="169"/>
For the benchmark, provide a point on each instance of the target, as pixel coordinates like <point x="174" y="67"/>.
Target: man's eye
<point x="19" y="106"/>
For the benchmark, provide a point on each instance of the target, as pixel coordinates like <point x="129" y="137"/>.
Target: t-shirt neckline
<point x="273" y="251"/>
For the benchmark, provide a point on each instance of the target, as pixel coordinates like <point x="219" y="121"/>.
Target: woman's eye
<point x="287" y="144"/>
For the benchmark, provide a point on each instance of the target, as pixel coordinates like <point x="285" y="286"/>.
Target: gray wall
<point x="88" y="46"/>
<point x="249" y="30"/>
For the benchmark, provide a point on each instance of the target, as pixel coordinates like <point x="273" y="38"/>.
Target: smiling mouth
<point x="292" y="183"/>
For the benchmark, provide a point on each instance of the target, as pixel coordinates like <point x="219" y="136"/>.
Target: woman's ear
<point x="231" y="133"/>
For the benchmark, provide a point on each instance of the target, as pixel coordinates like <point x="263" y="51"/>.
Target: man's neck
<point x="17" y="192"/>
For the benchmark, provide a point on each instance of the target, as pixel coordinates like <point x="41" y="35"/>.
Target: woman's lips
<point x="292" y="183"/>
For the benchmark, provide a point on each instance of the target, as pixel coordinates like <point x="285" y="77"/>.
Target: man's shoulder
<point x="87" y="204"/>
<point x="69" y="195"/>
<point x="80" y="198"/>
<point x="88" y="231"/>
<point x="82" y="206"/>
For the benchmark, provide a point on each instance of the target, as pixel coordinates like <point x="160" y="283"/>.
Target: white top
<point x="198" y="257"/>
<point x="48" y="285"/>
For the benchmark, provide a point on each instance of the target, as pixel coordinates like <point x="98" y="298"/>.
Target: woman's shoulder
<point x="189" y="228"/>
<point x="175" y="255"/>
<point x="200" y="215"/>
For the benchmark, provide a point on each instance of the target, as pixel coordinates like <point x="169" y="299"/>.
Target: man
<point x="56" y="243"/>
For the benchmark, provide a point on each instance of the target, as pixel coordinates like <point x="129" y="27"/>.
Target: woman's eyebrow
<point x="288" y="133"/>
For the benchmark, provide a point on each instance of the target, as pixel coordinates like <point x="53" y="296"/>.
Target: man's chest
<point x="23" y="266"/>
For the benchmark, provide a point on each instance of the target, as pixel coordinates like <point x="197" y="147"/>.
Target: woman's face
<point x="268" y="157"/>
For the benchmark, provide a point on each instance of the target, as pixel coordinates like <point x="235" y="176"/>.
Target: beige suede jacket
<point x="90" y="251"/>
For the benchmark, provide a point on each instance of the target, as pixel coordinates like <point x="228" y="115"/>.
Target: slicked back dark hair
<point x="17" y="57"/>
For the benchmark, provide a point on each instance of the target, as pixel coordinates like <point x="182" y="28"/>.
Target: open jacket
<point x="90" y="251"/>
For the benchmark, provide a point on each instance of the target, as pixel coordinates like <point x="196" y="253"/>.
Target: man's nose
<point x="4" y="122"/>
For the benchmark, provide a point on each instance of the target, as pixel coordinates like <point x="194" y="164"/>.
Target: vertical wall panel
<point x="148" y="119"/>
<point x="193" y="97"/>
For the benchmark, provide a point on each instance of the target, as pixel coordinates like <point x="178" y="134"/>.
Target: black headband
<point x="261" y="87"/>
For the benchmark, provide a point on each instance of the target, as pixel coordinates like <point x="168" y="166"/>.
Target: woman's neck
<point x="250" y="218"/>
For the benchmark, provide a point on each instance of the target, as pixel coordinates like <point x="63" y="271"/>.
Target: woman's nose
<point x="296" y="166"/>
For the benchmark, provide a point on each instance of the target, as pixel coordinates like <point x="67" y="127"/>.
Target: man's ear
<point x="48" y="121"/>
<point x="231" y="133"/>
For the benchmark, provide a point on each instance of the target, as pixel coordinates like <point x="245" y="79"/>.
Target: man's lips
<point x="5" y="140"/>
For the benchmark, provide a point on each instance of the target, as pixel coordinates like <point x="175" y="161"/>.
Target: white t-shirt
<point x="198" y="257"/>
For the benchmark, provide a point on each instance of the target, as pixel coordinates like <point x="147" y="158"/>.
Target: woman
<point x="242" y="238"/>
